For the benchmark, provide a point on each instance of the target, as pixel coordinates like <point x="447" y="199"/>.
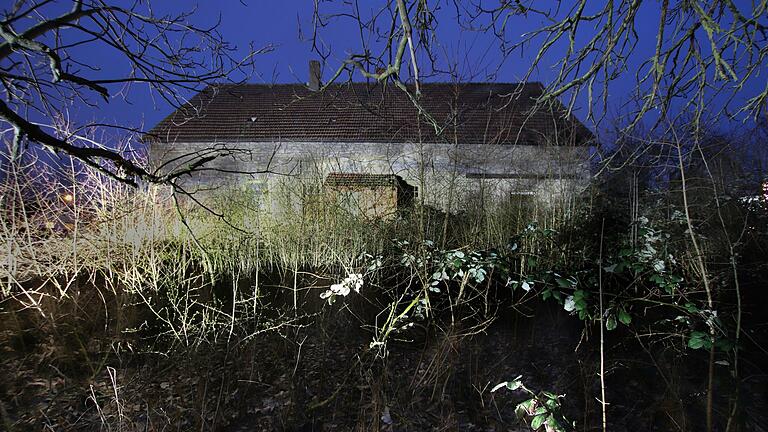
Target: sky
<point x="281" y="24"/>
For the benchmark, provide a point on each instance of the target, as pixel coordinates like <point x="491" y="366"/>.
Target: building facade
<point x="453" y="143"/>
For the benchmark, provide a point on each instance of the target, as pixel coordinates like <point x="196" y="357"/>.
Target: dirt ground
<point x="328" y="378"/>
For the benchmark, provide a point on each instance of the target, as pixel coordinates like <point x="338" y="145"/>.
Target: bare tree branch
<point x="43" y="76"/>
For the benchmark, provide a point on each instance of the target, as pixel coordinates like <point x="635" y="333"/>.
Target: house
<point x="459" y="142"/>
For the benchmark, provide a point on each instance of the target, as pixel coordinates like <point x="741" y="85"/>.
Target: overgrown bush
<point x="98" y="272"/>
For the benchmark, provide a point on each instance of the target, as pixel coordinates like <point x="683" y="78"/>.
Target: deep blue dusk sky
<point x="276" y="23"/>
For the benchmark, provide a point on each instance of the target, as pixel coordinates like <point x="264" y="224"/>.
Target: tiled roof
<point x="356" y="179"/>
<point x="466" y="113"/>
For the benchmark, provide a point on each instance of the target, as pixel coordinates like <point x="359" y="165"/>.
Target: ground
<point x="327" y="378"/>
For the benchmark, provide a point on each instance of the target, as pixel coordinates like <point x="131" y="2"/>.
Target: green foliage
<point x="448" y="278"/>
<point x="539" y="410"/>
<point x="577" y="303"/>
<point x="624" y="317"/>
<point x="699" y="340"/>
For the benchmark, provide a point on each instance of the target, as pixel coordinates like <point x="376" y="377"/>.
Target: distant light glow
<point x="68" y="197"/>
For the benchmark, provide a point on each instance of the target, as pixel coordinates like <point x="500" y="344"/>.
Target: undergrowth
<point x="123" y="299"/>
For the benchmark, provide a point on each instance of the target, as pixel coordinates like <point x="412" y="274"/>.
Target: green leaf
<point x="581" y="304"/>
<point x="610" y="323"/>
<point x="523" y="408"/>
<point x="699" y="340"/>
<point x="538" y="421"/>
<point x="724" y="344"/>
<point x="520" y="411"/>
<point x="624" y="317"/>
<point x="669" y="288"/>
<point x="479" y="275"/>
<point x="514" y="385"/>
<point x="498" y="386"/>
<point x="551" y="404"/>
<point x="549" y="395"/>
<point x="553" y="424"/>
<point x="511" y="385"/>
<point x="695" y="343"/>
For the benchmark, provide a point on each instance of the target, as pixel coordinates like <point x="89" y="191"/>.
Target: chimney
<point x="314" y="75"/>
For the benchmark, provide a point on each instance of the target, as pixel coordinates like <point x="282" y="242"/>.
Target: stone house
<point x="460" y="142"/>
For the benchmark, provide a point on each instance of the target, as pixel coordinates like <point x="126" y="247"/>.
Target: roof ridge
<point x="423" y="83"/>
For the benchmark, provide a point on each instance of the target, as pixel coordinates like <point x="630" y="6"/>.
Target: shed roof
<point x="466" y="113"/>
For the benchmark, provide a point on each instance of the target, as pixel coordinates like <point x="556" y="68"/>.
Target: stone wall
<point x="445" y="175"/>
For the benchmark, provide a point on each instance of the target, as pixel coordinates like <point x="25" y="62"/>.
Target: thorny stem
<point x="603" y="402"/>
<point x="705" y="279"/>
<point x="734" y="270"/>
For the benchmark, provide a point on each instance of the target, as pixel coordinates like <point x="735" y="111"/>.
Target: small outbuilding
<point x="373" y="196"/>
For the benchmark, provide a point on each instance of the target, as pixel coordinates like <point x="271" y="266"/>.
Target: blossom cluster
<point x="352" y="282"/>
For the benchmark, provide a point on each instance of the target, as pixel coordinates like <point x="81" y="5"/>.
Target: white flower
<point x="353" y="281"/>
<point x="570" y="304"/>
<point x="327" y="295"/>
<point x="340" y="289"/>
<point x="658" y="266"/>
